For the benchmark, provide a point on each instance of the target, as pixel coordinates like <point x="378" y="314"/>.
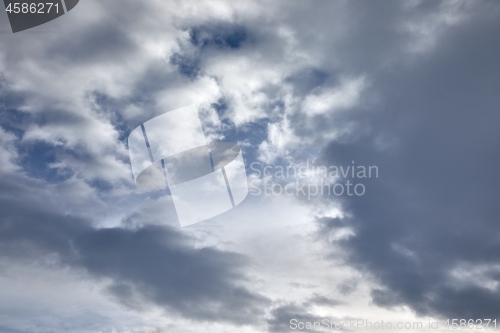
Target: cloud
<point x="343" y="97"/>
<point x="158" y="265"/>
<point x="283" y="314"/>
<point x="161" y="267"/>
<point x="432" y="211"/>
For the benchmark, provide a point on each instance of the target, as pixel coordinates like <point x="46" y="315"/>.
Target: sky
<point x="408" y="88"/>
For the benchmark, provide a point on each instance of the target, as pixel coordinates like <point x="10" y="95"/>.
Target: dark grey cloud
<point x="435" y="206"/>
<point x="105" y="42"/>
<point x="305" y="80"/>
<point x="348" y="287"/>
<point x="6" y="329"/>
<point x="187" y="64"/>
<point x="207" y="40"/>
<point x="158" y="265"/>
<point x="283" y="314"/>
